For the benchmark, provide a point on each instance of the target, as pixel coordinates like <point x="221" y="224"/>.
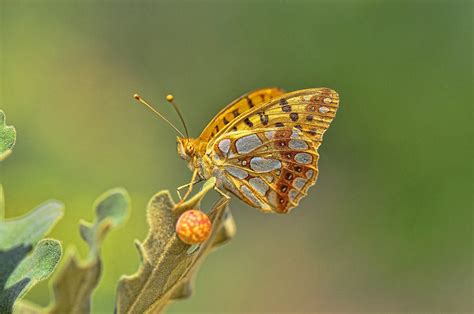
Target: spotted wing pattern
<point x="242" y="104"/>
<point x="268" y="168"/>
<point x="268" y="155"/>
<point x="309" y="110"/>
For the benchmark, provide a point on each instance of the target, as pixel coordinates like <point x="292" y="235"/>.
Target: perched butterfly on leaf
<point x="263" y="147"/>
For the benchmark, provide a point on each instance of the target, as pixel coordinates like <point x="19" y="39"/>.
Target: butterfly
<point x="262" y="147"/>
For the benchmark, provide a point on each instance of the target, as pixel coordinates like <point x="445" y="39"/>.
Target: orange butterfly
<point x="263" y="147"/>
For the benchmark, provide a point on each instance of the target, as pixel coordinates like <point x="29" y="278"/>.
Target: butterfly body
<point x="263" y="146"/>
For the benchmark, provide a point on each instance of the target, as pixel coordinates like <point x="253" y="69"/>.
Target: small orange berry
<point x="193" y="227"/>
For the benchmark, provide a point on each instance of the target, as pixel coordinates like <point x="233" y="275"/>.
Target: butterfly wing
<point x="236" y="108"/>
<point x="309" y="110"/>
<point x="281" y="137"/>
<point x="270" y="169"/>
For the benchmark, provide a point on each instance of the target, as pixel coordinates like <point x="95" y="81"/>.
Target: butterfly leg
<point x="227" y="197"/>
<point x="186" y="185"/>
<point x="190" y="185"/>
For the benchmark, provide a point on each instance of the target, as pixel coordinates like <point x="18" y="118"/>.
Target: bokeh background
<point x="388" y="228"/>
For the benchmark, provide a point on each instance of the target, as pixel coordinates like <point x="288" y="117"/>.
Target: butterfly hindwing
<point x="269" y="168"/>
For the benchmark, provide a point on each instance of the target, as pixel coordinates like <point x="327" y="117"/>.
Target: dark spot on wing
<point x="235" y="112"/>
<point x="263" y="118"/>
<point x="249" y="101"/>
<point x="294" y="116"/>
<point x="248" y="122"/>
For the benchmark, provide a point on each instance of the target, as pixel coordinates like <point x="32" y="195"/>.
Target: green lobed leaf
<point x="9" y="260"/>
<point x="31" y="227"/>
<point x="111" y="211"/>
<point x="19" y="272"/>
<point x="167" y="264"/>
<point x="26" y="307"/>
<point x="37" y="266"/>
<point x="74" y="285"/>
<point x="7" y="137"/>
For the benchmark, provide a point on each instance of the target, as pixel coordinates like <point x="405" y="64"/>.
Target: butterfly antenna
<point x="170" y="99"/>
<point x="143" y="102"/>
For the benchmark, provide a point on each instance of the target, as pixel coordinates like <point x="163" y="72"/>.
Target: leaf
<point x="167" y="264"/>
<point x="7" y="137"/>
<point x="31" y="227"/>
<point x="37" y="266"/>
<point x="111" y="210"/>
<point x="26" y="307"/>
<point x="9" y="260"/>
<point x="76" y="282"/>
<point x="19" y="271"/>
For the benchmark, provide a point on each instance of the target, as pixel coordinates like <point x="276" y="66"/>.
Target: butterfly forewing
<point x="237" y="108"/>
<point x="309" y="110"/>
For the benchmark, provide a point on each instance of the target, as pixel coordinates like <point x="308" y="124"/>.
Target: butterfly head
<point x="186" y="148"/>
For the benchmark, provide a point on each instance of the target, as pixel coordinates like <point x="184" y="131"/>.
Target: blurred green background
<point x="388" y="226"/>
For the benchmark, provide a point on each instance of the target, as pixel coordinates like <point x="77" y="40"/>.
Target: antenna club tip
<point x="169" y="97"/>
<point x="136" y="96"/>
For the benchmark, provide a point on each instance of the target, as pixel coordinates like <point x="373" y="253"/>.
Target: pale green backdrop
<point x="388" y="226"/>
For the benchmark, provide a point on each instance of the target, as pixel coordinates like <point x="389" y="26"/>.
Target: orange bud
<point x="193" y="227"/>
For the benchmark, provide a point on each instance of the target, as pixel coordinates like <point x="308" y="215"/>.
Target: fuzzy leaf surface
<point x="30" y="228"/>
<point x="26" y="307"/>
<point x="7" y="137"/>
<point x="38" y="265"/>
<point x="9" y="260"/>
<point x="75" y="284"/>
<point x="167" y="264"/>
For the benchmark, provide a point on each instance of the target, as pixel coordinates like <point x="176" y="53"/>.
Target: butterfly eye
<point x="193" y="227"/>
<point x="190" y="150"/>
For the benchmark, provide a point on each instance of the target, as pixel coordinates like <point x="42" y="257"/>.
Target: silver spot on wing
<point x="292" y="195"/>
<point x="299" y="183"/>
<point x="303" y="158"/>
<point x="224" y="146"/>
<point x="253" y="199"/>
<point x="297" y="144"/>
<point x="259" y="185"/>
<point x="269" y="134"/>
<point x="236" y="172"/>
<point x="272" y="198"/>
<point x="259" y="164"/>
<point x="294" y="134"/>
<point x="247" y="144"/>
